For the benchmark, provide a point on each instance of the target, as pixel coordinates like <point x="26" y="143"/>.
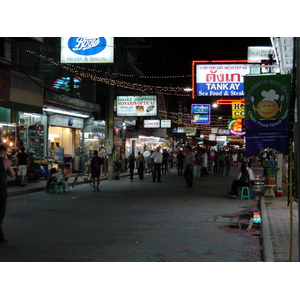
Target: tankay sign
<point x="136" y="106"/>
<point x="87" y="50"/>
<point x="216" y="80"/>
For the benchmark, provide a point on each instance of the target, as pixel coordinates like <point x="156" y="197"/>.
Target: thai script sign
<point x="87" y="50"/>
<point x="136" y="106"/>
<point x="224" y="80"/>
<point x="267" y="112"/>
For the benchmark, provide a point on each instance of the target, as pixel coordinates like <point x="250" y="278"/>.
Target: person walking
<point x="197" y="166"/>
<point x="221" y="163"/>
<point x="227" y="163"/>
<point x="131" y="162"/>
<point x="164" y="165"/>
<point x="204" y="164"/>
<point x="157" y="160"/>
<point x="22" y="165"/>
<point x="180" y="159"/>
<point x="96" y="170"/>
<point x="188" y="166"/>
<point x="140" y="164"/>
<point x="147" y="155"/>
<point x="5" y="166"/>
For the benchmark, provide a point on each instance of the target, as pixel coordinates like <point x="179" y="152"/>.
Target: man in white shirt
<point x="157" y="160"/>
<point x="147" y="155"/>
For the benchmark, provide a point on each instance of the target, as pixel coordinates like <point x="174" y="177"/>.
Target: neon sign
<point x="236" y="127"/>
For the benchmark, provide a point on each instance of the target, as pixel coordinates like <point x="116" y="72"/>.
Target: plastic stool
<point x="57" y="187"/>
<point x="244" y="192"/>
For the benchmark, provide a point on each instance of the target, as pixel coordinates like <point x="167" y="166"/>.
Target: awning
<point x="21" y="107"/>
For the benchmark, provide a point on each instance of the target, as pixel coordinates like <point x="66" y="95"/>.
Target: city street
<point x="134" y="222"/>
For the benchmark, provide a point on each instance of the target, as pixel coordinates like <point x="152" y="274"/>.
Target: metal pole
<point x="296" y="125"/>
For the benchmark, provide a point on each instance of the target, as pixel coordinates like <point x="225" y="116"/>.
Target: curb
<point x="268" y="251"/>
<point x="42" y="188"/>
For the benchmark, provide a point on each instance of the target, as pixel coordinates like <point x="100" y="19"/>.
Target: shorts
<point x="22" y="170"/>
<point x="95" y="173"/>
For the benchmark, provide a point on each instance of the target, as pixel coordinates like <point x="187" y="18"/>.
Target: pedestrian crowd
<point x="190" y="163"/>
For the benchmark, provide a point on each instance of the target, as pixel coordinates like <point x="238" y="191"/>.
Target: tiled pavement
<point x="133" y="222"/>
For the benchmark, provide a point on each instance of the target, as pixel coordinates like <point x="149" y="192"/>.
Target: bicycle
<point x="85" y="176"/>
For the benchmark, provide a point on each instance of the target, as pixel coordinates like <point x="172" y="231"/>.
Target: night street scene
<point x="148" y="167"/>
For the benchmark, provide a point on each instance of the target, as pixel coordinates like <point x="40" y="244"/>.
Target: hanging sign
<point x="267" y="112"/>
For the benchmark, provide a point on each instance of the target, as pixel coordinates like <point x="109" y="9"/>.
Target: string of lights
<point x="108" y="80"/>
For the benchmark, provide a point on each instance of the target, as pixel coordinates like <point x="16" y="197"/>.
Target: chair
<point x="57" y="186"/>
<point x="244" y="192"/>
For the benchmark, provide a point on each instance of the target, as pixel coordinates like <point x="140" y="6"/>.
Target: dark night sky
<point x="174" y="55"/>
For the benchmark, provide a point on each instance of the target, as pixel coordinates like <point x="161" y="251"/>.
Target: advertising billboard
<point x="201" y="113"/>
<point x="225" y="80"/>
<point x="140" y="106"/>
<point x="87" y="50"/>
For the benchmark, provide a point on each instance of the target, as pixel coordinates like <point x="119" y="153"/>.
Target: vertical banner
<point x="267" y="112"/>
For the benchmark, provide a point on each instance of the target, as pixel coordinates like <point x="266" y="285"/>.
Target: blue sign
<point x="232" y="89"/>
<point x="87" y="45"/>
<point x="200" y="109"/>
<point x="201" y="113"/>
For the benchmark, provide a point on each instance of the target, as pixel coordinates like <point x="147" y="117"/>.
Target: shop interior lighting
<point x="64" y="112"/>
<point x="6" y="124"/>
<point x="31" y="115"/>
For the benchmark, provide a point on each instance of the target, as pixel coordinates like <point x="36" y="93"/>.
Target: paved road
<point x="134" y="222"/>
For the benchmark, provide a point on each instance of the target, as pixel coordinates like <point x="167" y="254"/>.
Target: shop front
<point x="64" y="140"/>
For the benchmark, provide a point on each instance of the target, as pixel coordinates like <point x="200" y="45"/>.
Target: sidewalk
<point x="275" y="227"/>
<point x="280" y="242"/>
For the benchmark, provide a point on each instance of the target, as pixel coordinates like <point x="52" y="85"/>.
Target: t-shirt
<point x="22" y="158"/>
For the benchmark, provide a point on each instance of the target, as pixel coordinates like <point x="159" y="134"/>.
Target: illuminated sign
<point x="219" y="79"/>
<point x="223" y="132"/>
<point x="257" y="54"/>
<point x="165" y="123"/>
<point x="63" y="85"/>
<point x="136" y="106"/>
<point x="236" y="127"/>
<point x="87" y="50"/>
<point x="201" y="113"/>
<point x="188" y="130"/>
<point x="151" y="123"/>
<point x="238" y="110"/>
<point x="230" y="101"/>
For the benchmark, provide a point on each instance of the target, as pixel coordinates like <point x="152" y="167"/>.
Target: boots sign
<point x="87" y="50"/>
